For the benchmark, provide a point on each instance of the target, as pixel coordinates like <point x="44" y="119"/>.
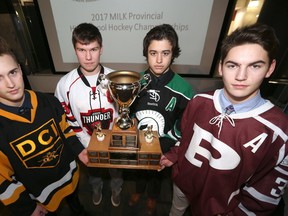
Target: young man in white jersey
<point x="87" y="102"/>
<point x="232" y="157"/>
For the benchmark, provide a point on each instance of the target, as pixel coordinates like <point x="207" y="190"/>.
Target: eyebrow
<point x="10" y="71"/>
<point x="13" y="70"/>
<point x="256" y="62"/>
<point x="85" y="48"/>
<point x="160" y="51"/>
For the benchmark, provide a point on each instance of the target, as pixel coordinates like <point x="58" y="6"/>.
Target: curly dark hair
<point x="160" y="32"/>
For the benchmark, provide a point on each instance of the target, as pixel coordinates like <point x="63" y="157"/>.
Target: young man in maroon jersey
<point x="232" y="157"/>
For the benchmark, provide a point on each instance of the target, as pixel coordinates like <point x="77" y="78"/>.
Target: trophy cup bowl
<point x="124" y="87"/>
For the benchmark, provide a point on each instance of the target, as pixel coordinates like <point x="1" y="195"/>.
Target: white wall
<point x="47" y="83"/>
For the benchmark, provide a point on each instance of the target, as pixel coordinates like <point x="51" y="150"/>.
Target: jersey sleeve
<point x="264" y="191"/>
<point x="12" y="192"/>
<point x="172" y="155"/>
<point x="186" y="94"/>
<point x="65" y="127"/>
<point x="62" y="94"/>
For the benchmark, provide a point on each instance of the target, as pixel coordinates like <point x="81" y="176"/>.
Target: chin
<point x="158" y="73"/>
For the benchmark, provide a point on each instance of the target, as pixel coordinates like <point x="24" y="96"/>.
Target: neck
<point x="158" y="75"/>
<point x="91" y="72"/>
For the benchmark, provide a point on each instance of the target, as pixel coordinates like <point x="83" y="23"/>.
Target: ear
<point x="220" y="68"/>
<point x="101" y="50"/>
<point x="271" y="68"/>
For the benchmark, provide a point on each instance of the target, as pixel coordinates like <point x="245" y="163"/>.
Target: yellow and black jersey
<point x="37" y="154"/>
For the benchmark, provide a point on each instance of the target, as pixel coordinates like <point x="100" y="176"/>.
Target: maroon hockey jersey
<point x="231" y="165"/>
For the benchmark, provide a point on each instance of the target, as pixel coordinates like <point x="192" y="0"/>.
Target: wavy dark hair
<point x="160" y="32"/>
<point x="257" y="33"/>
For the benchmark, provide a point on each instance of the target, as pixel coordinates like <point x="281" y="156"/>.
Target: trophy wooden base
<point x="145" y="156"/>
<point x="123" y="139"/>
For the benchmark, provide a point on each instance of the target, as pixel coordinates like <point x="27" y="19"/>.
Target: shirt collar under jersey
<point x="246" y="106"/>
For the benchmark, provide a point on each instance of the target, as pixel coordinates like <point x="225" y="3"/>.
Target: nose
<point x="241" y="74"/>
<point x="9" y="82"/>
<point x="88" y="55"/>
<point x="159" y="58"/>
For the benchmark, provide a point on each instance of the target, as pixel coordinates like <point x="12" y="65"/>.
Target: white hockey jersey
<point x="86" y="101"/>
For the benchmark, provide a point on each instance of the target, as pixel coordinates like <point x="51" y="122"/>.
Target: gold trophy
<point x="124" y="87"/>
<point x="124" y="146"/>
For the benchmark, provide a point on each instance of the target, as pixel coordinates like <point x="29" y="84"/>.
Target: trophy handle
<point x="102" y="77"/>
<point x="147" y="78"/>
<point x="103" y="81"/>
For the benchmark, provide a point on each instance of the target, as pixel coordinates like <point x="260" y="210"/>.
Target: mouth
<point x="240" y="86"/>
<point x="89" y="64"/>
<point x="158" y="67"/>
<point x="13" y="92"/>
